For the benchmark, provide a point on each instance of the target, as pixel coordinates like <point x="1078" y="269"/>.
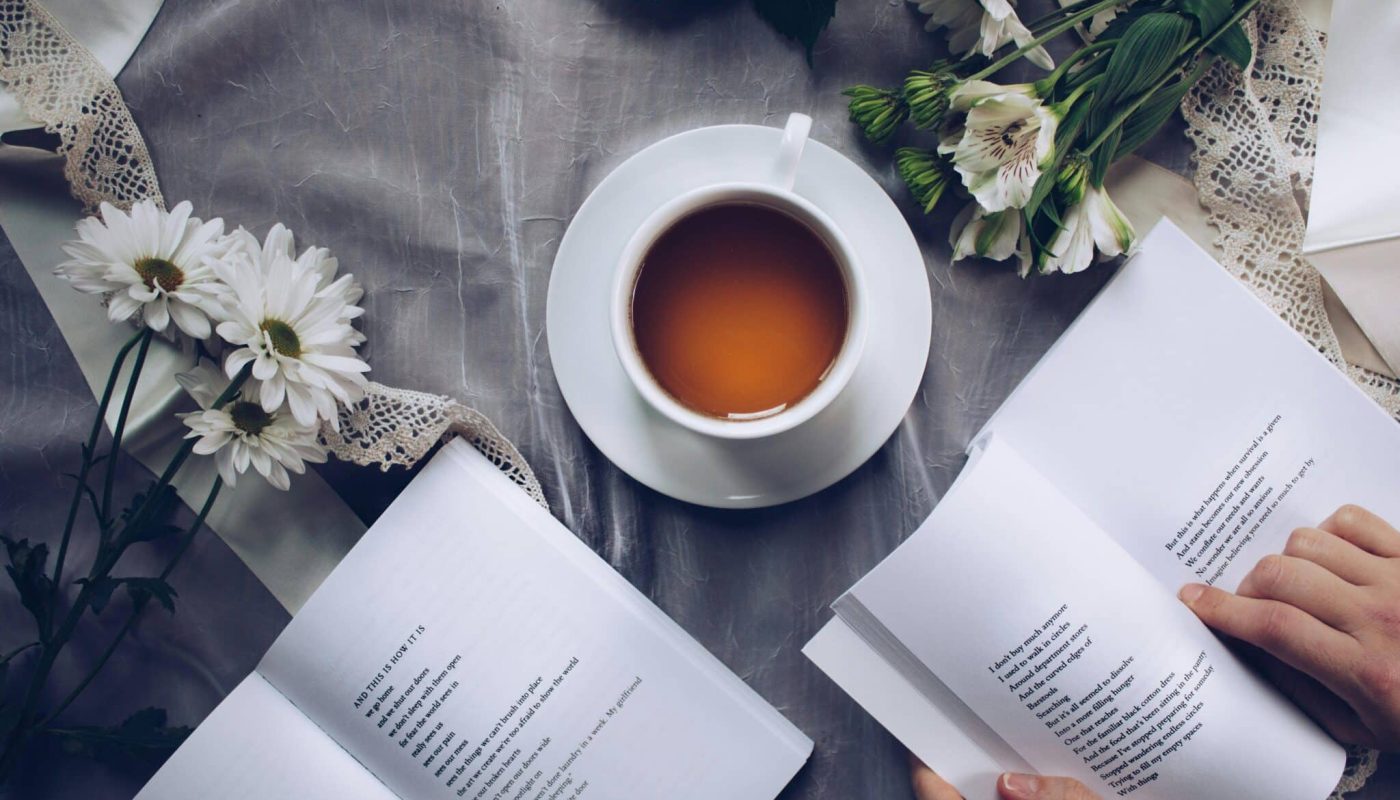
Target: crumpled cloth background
<point x="440" y="150"/>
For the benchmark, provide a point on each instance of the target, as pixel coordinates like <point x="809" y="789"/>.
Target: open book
<point x="1178" y="432"/>
<point x="470" y="646"/>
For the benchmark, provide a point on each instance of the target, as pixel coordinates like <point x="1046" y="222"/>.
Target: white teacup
<point x="776" y="194"/>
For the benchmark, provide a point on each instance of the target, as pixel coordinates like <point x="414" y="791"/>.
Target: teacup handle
<point x="790" y="151"/>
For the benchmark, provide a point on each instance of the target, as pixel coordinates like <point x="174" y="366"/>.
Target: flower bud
<point x="1073" y="179"/>
<point x="925" y="172"/>
<point x="926" y="93"/>
<point x="878" y="112"/>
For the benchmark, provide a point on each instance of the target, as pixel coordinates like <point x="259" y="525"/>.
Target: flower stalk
<point x="169" y="271"/>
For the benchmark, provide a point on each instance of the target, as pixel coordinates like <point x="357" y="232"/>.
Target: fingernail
<point x="1020" y="786"/>
<point x="1191" y="592"/>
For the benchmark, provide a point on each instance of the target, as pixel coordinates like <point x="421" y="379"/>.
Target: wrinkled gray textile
<point x="440" y="148"/>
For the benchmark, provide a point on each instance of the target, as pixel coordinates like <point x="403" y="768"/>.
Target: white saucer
<point x="674" y="460"/>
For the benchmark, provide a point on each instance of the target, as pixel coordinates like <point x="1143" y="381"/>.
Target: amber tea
<point x="739" y="311"/>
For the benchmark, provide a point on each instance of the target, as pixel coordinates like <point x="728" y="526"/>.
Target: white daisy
<point x="280" y="241"/>
<point x="1006" y="141"/>
<point x="982" y="27"/>
<point x="151" y="261"/>
<point x="242" y="434"/>
<point x="1093" y="221"/>
<point x="997" y="235"/>
<point x="290" y="318"/>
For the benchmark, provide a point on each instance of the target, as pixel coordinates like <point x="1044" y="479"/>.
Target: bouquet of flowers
<point x="274" y="360"/>
<point x="1032" y="157"/>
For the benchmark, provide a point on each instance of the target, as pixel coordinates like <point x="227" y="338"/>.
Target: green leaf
<point x="143" y="589"/>
<point x="1142" y="124"/>
<point x="1209" y="14"/>
<point x="1144" y="55"/>
<point x="142" y="741"/>
<point x="101" y="591"/>
<point x="1234" y="45"/>
<point x="1103" y="156"/>
<point x="801" y="20"/>
<point x="153" y="523"/>
<point x="27" y="570"/>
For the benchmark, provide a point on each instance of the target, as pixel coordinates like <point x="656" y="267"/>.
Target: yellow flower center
<point x="159" y="272"/>
<point x="284" y="339"/>
<point x="249" y="417"/>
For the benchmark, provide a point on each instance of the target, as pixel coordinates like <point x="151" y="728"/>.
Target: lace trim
<point x="399" y="426"/>
<point x="59" y="83"/>
<point x="1255" y="135"/>
<point x="62" y="85"/>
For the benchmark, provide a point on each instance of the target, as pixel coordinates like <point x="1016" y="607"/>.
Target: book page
<point x="940" y="729"/>
<point x="257" y="744"/>
<point x="470" y="646"/>
<point x="1065" y="646"/>
<point x="1193" y="425"/>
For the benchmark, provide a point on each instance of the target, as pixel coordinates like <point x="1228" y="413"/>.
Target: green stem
<point x="107" y="556"/>
<point x="139" y="518"/>
<point x="120" y="428"/>
<point x="83" y="472"/>
<point x="1046" y="85"/>
<point x="1192" y="50"/>
<point x="139" y="605"/>
<point x="1054" y="30"/>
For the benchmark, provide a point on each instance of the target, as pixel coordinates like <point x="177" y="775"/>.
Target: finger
<point x="1290" y="634"/>
<point x="1327" y="709"/>
<point x="1307" y="586"/>
<point x="929" y="786"/>
<point x="1337" y="555"/>
<point x="1365" y="530"/>
<point x="1014" y="786"/>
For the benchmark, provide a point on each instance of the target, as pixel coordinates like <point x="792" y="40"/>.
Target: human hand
<point x="1327" y="611"/>
<point x="928" y="786"/>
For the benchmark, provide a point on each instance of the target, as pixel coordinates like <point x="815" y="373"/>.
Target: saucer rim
<point x="658" y="475"/>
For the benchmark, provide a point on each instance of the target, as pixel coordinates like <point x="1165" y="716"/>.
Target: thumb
<point x="1014" y="786"/>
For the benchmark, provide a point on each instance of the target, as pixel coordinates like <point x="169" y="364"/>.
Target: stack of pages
<point x="470" y="646"/>
<point x="1178" y="432"/>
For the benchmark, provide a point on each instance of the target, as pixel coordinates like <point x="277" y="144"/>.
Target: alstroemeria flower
<point x="997" y="235"/>
<point x="981" y="27"/>
<point x="1092" y="222"/>
<point x="1007" y="139"/>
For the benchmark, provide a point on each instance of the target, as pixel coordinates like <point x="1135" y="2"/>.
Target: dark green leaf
<point x="801" y="20"/>
<point x="1209" y="14"/>
<point x="1146" y="52"/>
<point x="1104" y="156"/>
<point x="161" y="507"/>
<point x="143" y="589"/>
<point x="1234" y="45"/>
<point x="101" y="592"/>
<point x="142" y="741"/>
<point x="151" y="532"/>
<point x="27" y="570"/>
<point x="1125" y="18"/>
<point x="1150" y="116"/>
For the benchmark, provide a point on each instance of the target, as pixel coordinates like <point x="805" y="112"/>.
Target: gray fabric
<point x="440" y="149"/>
